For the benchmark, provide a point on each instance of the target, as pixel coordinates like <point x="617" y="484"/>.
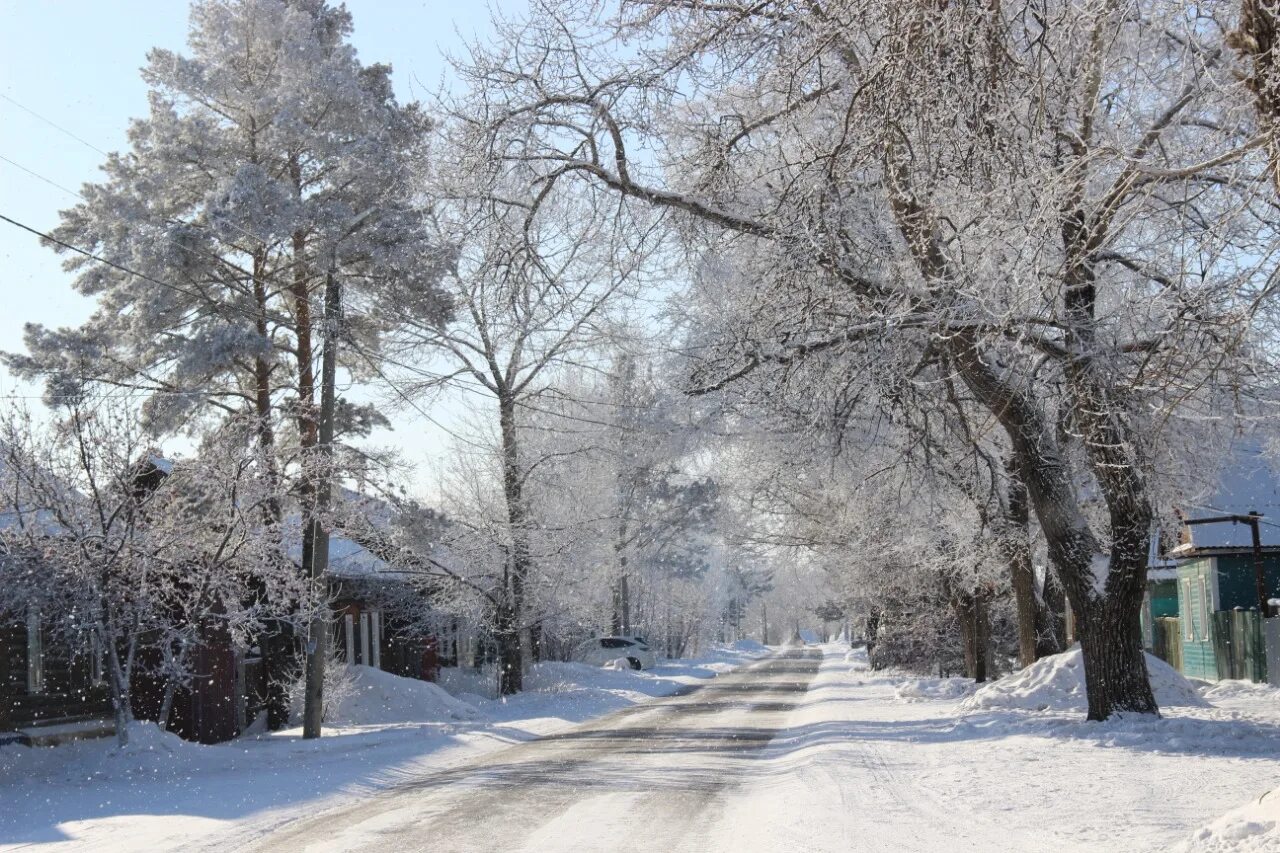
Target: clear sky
<point x="75" y="63"/>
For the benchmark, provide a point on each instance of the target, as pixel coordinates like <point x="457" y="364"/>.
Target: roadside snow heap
<point x="376" y="698"/>
<point x="1056" y="683"/>
<point x="934" y="688"/>
<point x="1252" y="828"/>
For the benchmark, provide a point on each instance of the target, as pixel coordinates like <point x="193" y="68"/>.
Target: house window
<point x="35" y="653"/>
<point x="349" y="624"/>
<point x="375" y="620"/>
<point x="1188" y="628"/>
<point x="1205" y="608"/>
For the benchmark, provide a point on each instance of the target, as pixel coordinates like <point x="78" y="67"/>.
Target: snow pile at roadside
<point x="1227" y="690"/>
<point x="1056" y="683"/>
<point x="857" y="658"/>
<point x="918" y="689"/>
<point x="1251" y="828"/>
<point x="378" y="698"/>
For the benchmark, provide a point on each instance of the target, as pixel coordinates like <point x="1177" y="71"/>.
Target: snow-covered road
<point x="806" y="749"/>
<point x="659" y="776"/>
<point x="809" y="751"/>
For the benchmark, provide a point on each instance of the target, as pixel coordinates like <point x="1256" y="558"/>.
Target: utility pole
<point x="764" y="622"/>
<point x="1259" y="570"/>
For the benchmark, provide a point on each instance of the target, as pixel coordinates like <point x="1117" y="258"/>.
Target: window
<point x="1205" y="608"/>
<point x="614" y="643"/>
<point x="1188" y="628"/>
<point x="35" y="653"/>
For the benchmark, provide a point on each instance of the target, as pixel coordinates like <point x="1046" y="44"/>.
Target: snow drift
<point x="378" y="697"/>
<point x="1056" y="683"/>
<point x="934" y="688"/>
<point x="1252" y="828"/>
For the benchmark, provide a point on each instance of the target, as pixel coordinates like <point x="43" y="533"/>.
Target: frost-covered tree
<point x="536" y="282"/>
<point x="266" y="196"/>
<point x="1062" y="207"/>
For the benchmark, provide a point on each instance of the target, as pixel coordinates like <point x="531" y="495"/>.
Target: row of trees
<point x="1040" y="232"/>
<point x="951" y="286"/>
<point x="281" y="230"/>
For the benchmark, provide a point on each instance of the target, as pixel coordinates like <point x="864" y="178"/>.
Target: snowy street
<point x="810" y="750"/>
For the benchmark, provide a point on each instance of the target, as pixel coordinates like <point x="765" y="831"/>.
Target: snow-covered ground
<point x="860" y="761"/>
<point x="894" y="762"/>
<point x="162" y="793"/>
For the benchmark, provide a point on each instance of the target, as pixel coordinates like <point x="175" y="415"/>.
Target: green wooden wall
<point x="1237" y="581"/>
<point x="1195" y="609"/>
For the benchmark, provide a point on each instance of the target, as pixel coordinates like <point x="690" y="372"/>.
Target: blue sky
<point x="75" y="62"/>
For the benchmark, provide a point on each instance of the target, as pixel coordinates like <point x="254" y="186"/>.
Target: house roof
<point x="348" y="559"/>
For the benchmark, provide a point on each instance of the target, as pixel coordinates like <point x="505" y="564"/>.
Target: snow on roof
<point x="348" y="559"/>
<point x="1249" y="482"/>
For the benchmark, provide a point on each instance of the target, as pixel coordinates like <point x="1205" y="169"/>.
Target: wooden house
<point x="50" y="686"/>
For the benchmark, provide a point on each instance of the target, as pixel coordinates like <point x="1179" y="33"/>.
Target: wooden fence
<point x="1167" y="640"/>
<point x="1238" y="646"/>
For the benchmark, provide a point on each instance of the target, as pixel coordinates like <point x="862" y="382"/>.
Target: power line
<point x="54" y="125"/>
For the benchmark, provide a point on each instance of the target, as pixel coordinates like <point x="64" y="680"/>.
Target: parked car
<point x="601" y="650"/>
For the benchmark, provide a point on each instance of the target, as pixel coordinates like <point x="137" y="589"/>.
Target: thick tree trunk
<point x="1109" y="604"/>
<point x="506" y="634"/>
<point x="1021" y="573"/>
<point x="275" y="643"/>
<point x="621" y="622"/>
<point x="973" y="614"/>
<point x="1073" y="548"/>
<point x="1051" y="619"/>
<point x="511" y="611"/>
<point x="121" y="695"/>
<point x="318" y="564"/>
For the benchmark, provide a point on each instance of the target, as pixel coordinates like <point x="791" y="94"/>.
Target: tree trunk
<point x="1071" y="544"/>
<point x="275" y="643"/>
<point x="1051" y="618"/>
<point x="1021" y="573"/>
<point x="317" y="651"/>
<point x="1045" y="471"/>
<point x="511" y="610"/>
<point x="121" y="695"/>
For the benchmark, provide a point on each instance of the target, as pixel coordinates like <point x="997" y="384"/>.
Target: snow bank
<point x="1231" y="689"/>
<point x="918" y="689"/>
<point x="857" y="658"/>
<point x="750" y="646"/>
<point x="378" y="698"/>
<point x="1056" y="683"/>
<point x="1252" y="828"/>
